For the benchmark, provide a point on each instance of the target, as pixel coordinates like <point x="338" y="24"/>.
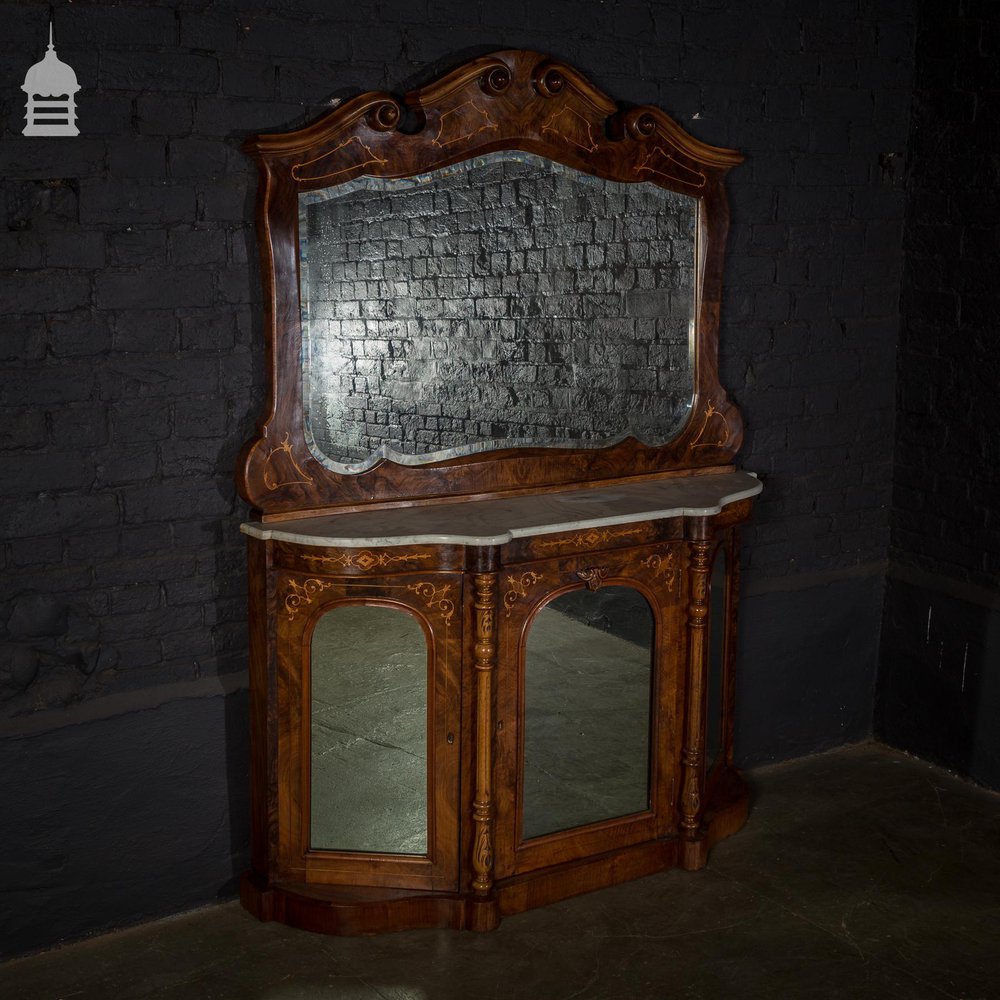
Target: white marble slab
<point x="496" y="522"/>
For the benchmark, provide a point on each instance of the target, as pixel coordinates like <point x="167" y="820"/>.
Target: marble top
<point x="498" y="521"/>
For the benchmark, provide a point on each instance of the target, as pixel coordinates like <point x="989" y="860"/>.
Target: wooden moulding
<point x="477" y="872"/>
<point x="475" y="601"/>
<point x="508" y="100"/>
<point x="357" y="910"/>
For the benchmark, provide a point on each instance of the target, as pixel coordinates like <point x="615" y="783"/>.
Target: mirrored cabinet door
<point x="588" y="675"/>
<point x="368" y="732"/>
<point x="590" y="735"/>
<point x="370" y="684"/>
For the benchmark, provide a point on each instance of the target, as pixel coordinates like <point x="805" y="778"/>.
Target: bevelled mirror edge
<point x="561" y="117"/>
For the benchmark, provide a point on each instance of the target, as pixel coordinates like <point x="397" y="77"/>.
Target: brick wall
<point x="133" y="346"/>
<point x="939" y="690"/>
<point x="947" y="460"/>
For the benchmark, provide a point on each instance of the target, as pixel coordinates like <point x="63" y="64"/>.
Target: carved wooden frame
<point x="624" y="568"/>
<point x="433" y="601"/>
<point x="508" y="100"/>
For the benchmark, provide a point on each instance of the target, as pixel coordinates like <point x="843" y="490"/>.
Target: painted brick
<point x="156" y="413"/>
<point x="26" y="339"/>
<point x="136" y="247"/>
<point x="160" y="72"/>
<point x="44" y="291"/>
<point x="131" y="157"/>
<point x="153" y="289"/>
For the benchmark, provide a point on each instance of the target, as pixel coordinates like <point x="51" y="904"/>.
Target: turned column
<point x="693" y="756"/>
<point x="729" y="664"/>
<point x="485" y="585"/>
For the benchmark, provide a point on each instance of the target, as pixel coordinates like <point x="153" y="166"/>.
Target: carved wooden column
<point x="693" y="757"/>
<point x="485" y="659"/>
<point x="729" y="664"/>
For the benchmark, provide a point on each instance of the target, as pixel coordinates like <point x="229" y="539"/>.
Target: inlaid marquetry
<point x="517" y="587"/>
<point x="473" y="546"/>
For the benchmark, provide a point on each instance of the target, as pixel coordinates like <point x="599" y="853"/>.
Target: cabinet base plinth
<point x="355" y="910"/>
<point x="358" y="910"/>
<point x="727" y="805"/>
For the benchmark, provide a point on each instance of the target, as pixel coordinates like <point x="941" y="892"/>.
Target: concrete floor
<point x="861" y="873"/>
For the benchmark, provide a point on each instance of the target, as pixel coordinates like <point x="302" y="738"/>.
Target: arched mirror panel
<point x="587" y="700"/>
<point x="507" y="300"/>
<point x="368" y="725"/>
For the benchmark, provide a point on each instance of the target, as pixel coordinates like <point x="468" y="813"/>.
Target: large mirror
<point x="503" y="301"/>
<point x="368" y="746"/>
<point x="502" y="281"/>
<point x="587" y="699"/>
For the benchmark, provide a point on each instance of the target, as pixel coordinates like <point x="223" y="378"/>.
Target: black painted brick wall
<point x="939" y="691"/>
<point x="134" y="357"/>
<point x="947" y="463"/>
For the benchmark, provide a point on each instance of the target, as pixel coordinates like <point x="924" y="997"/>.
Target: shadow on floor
<point x="861" y="873"/>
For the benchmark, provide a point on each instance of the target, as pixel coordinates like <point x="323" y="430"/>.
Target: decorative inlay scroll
<point x="465" y="129"/>
<point x="593" y="577"/>
<point x="573" y="127"/>
<point x="591" y="537"/>
<point x="710" y="415"/>
<point x="365" y="559"/>
<point x="485" y="660"/>
<point x="300" y="595"/>
<point x="357" y="152"/>
<point x="517" y="587"/>
<point x="658" y="161"/>
<point x="662" y="566"/>
<point x="435" y="597"/>
<point x="286" y="477"/>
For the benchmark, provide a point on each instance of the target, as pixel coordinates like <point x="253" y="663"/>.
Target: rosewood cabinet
<point x="495" y="842"/>
<point x="493" y="548"/>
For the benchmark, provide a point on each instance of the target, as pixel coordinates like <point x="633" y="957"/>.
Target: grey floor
<point x="861" y="873"/>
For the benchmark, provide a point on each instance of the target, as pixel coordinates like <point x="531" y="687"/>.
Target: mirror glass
<point x="368" y="752"/>
<point x="588" y="678"/>
<point x="502" y="301"/>
<point x="716" y="658"/>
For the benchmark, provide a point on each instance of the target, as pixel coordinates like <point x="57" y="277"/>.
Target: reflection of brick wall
<point x="517" y="301"/>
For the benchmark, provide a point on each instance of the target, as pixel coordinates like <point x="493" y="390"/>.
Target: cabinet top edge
<point x="499" y="521"/>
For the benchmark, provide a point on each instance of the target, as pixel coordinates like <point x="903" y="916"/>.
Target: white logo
<point x="50" y="86"/>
